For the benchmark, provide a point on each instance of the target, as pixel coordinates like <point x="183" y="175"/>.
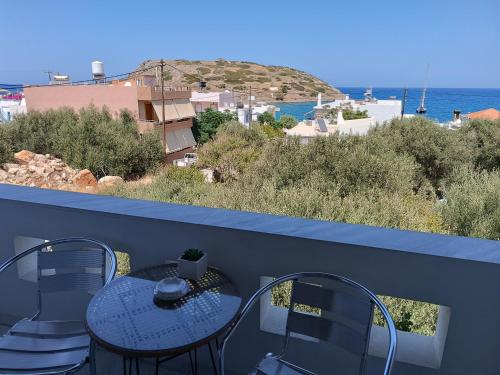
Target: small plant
<point x="192" y="255"/>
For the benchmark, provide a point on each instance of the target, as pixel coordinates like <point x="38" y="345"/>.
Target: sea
<point x="440" y="102"/>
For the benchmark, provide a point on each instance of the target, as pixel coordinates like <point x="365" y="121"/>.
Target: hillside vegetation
<point x="269" y="82"/>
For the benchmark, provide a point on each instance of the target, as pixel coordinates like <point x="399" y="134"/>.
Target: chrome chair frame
<point x="105" y="280"/>
<point x="295" y="277"/>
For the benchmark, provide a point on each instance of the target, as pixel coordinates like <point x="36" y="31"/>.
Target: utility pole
<point x="164" y="141"/>
<point x="405" y="95"/>
<point x="250" y="109"/>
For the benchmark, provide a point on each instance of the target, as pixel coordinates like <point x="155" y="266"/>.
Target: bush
<point x="472" y="205"/>
<point x="484" y="136"/>
<point x="5" y="145"/>
<point x="287" y="121"/>
<point x="206" y="124"/>
<point x="89" y="139"/>
<point x="437" y="150"/>
<point x="232" y="151"/>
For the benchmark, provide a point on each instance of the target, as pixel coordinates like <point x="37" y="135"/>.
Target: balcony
<point x="149" y="93"/>
<point x="458" y="274"/>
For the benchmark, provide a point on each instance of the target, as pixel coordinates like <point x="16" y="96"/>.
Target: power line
<point x="74" y="83"/>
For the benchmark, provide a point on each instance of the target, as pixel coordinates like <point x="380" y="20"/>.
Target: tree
<point x="206" y="124"/>
<point x="484" y="137"/>
<point x="89" y="139"/>
<point x="266" y="118"/>
<point x="287" y="121"/>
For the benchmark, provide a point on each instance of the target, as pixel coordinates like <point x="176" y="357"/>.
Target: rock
<point x="85" y="178"/>
<point x="3" y="175"/>
<point x="110" y="180"/>
<point x="24" y="157"/>
<point x="208" y="175"/>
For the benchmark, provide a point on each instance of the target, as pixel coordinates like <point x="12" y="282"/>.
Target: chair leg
<point x="92" y="365"/>
<point x="191" y="363"/>
<point x="137" y="366"/>
<point x="212" y="357"/>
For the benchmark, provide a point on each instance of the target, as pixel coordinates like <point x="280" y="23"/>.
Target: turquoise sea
<point x="440" y="102"/>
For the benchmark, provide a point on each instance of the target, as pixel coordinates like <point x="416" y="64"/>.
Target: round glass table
<point x="124" y="318"/>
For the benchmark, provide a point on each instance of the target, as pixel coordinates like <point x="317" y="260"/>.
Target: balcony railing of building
<point x="459" y="274"/>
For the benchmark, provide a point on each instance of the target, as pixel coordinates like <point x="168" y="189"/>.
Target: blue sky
<point x="384" y="43"/>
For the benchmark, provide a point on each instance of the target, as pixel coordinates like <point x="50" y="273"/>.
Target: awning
<point x="179" y="139"/>
<point x="170" y="111"/>
<point x="184" y="108"/>
<point x="175" y="109"/>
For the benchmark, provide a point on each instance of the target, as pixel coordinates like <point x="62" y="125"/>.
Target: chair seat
<point x="48" y="328"/>
<point x="38" y="346"/>
<point x="273" y="366"/>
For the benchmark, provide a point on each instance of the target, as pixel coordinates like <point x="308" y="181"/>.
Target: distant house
<point x="309" y="129"/>
<point x="215" y="100"/>
<point x="139" y="94"/>
<point x="485" y="114"/>
<point x="378" y="109"/>
<point x="11" y="105"/>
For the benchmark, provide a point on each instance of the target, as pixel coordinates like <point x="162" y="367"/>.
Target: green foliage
<point x="348" y="114"/>
<point x="206" y="124"/>
<point x="484" y="136"/>
<point x="266" y="118"/>
<point x="5" y="145"/>
<point x="287" y="121"/>
<point x="232" y="151"/>
<point x="89" y="139"/>
<point x="410" y="316"/>
<point x="472" y="205"/>
<point x="192" y="255"/>
<point x="437" y="150"/>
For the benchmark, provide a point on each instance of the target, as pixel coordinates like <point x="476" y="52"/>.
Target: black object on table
<point x="124" y="318"/>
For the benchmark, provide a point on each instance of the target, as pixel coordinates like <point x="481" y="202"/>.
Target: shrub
<point x="472" y="205"/>
<point x="206" y="124"/>
<point x="5" y="145"/>
<point x="287" y="121"/>
<point x="89" y="139"/>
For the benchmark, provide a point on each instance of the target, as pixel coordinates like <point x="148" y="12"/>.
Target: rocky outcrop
<point x="46" y="171"/>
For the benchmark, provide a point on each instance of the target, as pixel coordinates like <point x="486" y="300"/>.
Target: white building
<point x="257" y="109"/>
<point x="10" y="106"/>
<point x="218" y="101"/>
<point x="309" y="129"/>
<point x="379" y="110"/>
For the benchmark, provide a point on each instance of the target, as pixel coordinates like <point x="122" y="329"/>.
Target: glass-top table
<point x="123" y="317"/>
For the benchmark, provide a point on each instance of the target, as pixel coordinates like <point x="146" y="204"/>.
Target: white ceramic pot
<point x="188" y="269"/>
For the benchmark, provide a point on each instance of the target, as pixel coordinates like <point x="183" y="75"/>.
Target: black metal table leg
<point x="212" y="358"/>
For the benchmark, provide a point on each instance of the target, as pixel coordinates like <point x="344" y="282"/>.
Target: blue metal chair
<point x="345" y="320"/>
<point x="46" y="347"/>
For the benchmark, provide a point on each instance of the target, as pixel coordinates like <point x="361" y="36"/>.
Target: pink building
<point x="139" y="94"/>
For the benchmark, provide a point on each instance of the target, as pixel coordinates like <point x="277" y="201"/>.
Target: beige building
<point x="139" y="94"/>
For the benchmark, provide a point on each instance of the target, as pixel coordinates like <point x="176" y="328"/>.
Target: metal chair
<point x="55" y="346"/>
<point x="344" y="320"/>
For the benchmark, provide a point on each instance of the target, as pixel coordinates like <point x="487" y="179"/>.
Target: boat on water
<point x="421" y="108"/>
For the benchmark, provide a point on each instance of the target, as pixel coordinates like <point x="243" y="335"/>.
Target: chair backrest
<point x="340" y="315"/>
<point x="340" y="312"/>
<point x="73" y="264"/>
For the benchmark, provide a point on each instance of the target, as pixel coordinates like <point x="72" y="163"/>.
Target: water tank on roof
<point x="97" y="70"/>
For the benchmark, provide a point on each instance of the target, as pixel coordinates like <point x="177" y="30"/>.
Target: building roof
<point x="485" y="114"/>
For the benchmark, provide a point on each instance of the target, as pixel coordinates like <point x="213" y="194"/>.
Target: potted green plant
<point x="192" y="264"/>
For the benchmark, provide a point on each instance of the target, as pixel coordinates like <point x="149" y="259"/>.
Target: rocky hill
<point x="269" y="83"/>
